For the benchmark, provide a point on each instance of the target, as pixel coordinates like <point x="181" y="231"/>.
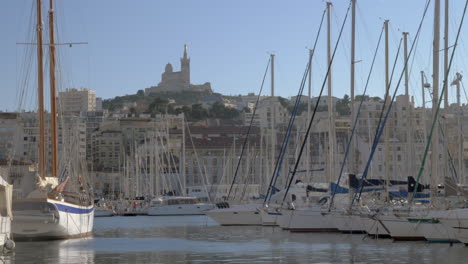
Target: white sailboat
<point x="54" y="210"/>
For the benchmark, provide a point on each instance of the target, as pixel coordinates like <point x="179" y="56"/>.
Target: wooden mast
<point x="53" y="110"/>
<point x="352" y="154"/>
<point x="435" y="102"/>
<point x="331" y="120"/>
<point x="308" y="177"/>
<point x="40" y="92"/>
<point x="387" y="127"/>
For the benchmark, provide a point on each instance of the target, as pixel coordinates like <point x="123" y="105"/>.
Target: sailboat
<point x="5" y="215"/>
<point x="59" y="207"/>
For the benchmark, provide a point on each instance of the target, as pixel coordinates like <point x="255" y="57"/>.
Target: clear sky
<point x="229" y="43"/>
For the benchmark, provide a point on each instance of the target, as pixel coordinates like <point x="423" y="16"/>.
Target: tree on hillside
<point x="158" y="106"/>
<point x="342" y="106"/>
<point x="219" y="110"/>
<point x="198" y="112"/>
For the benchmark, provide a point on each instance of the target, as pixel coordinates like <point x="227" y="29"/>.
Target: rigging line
<point x="356" y="120"/>
<point x="304" y="141"/>
<point x="374" y="146"/>
<point x="248" y="130"/>
<point x="284" y="144"/>
<point x="421" y="169"/>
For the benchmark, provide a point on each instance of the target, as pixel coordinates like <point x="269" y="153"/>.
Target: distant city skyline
<point x="129" y="44"/>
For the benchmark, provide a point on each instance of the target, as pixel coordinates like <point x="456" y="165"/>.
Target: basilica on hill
<point x="172" y="81"/>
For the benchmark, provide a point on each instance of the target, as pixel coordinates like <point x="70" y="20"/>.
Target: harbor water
<point x="198" y="239"/>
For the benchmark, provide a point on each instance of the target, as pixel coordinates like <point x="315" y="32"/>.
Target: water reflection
<point x="198" y="239"/>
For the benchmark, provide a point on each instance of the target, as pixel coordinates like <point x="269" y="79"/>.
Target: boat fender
<point x="9" y="244"/>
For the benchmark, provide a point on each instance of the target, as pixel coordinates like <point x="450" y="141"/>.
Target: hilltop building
<point x="178" y="81"/>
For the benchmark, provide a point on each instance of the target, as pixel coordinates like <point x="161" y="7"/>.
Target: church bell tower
<point x="185" y="67"/>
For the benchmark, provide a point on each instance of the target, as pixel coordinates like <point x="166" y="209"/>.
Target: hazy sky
<point x="229" y="43"/>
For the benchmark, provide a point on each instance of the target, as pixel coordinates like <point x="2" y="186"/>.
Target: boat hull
<point x="311" y="220"/>
<point x="103" y="213"/>
<point x="237" y="215"/>
<point x="457" y="222"/>
<point x="180" y="209"/>
<point x="5" y="230"/>
<point x="400" y="228"/>
<point x="433" y="230"/>
<point x="270" y="217"/>
<point x="58" y="220"/>
<point x="347" y="223"/>
<point x="284" y="219"/>
<point x="374" y="227"/>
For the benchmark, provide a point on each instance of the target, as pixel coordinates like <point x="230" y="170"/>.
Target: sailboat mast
<point x="387" y="130"/>
<point x="40" y="92"/>
<point x="435" y="100"/>
<point x="409" y="138"/>
<point x="331" y="128"/>
<point x="352" y="157"/>
<point x="461" y="178"/>
<point x="445" y="167"/>
<point x="308" y="168"/>
<point x="446" y="53"/>
<point x="273" y="119"/>
<point x="53" y="110"/>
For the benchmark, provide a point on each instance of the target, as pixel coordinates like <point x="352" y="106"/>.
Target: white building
<point x="77" y="100"/>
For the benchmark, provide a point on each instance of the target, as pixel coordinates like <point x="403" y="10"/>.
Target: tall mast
<point x="422" y="91"/>
<point x="53" y="110"/>
<point x="311" y="51"/>
<point x="409" y="138"/>
<point x="461" y="178"/>
<point x="184" y="176"/>
<point x="387" y="127"/>
<point x="446" y="53"/>
<point x="445" y="167"/>
<point x="331" y="127"/>
<point x="273" y="110"/>
<point x="352" y="157"/>
<point x="435" y="100"/>
<point x="272" y="56"/>
<point x="40" y="92"/>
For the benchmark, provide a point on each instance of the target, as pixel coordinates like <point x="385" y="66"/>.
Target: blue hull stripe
<point x="73" y="210"/>
<point x="274" y="213"/>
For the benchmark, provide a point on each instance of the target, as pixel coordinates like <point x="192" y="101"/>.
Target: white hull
<point x="347" y="223"/>
<point x="400" y="228"/>
<point x="270" y="217"/>
<point x="246" y="214"/>
<point x="103" y="213"/>
<point x="284" y="219"/>
<point x="457" y="221"/>
<point x="373" y="227"/>
<point x="61" y="221"/>
<point x="311" y="220"/>
<point x="179" y="209"/>
<point x="433" y="230"/>
<point x="5" y="230"/>
<point x="5" y="215"/>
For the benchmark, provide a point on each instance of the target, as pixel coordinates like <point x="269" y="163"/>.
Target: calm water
<point x="197" y="239"/>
